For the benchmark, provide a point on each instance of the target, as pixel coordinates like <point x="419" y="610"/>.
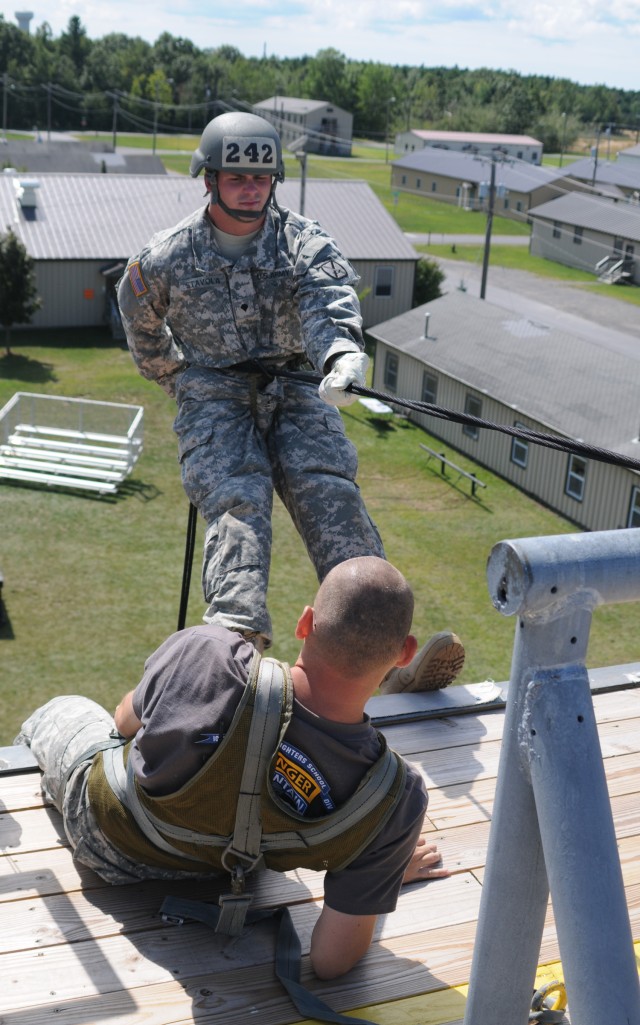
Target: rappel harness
<point x="331" y="841"/>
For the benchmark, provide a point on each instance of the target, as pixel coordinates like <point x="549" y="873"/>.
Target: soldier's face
<point x="248" y="192"/>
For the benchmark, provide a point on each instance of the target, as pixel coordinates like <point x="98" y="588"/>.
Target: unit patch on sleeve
<point x="333" y="269"/>
<point x="299" y="782"/>
<point x="138" y="284"/>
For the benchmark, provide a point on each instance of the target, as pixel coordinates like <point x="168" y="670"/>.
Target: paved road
<point x="611" y="322"/>
<point x="436" y="238"/>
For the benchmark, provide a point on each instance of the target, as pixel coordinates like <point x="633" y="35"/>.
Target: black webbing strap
<point x="288" y="953"/>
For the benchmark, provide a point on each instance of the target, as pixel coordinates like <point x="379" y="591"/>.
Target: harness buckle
<point x="172" y="919"/>
<point x="233" y="911"/>
<point x="239" y="867"/>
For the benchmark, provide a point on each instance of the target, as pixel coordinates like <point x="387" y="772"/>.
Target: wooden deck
<point x="76" y="951"/>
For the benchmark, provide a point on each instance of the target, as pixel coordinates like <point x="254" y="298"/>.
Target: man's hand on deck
<point x="422" y="861"/>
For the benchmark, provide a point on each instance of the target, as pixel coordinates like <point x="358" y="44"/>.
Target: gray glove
<point x="350" y="368"/>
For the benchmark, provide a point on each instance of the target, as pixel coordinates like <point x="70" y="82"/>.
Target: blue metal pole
<point x="552" y="816"/>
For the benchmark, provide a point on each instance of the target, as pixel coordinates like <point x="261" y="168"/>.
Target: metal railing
<point x="552" y="828"/>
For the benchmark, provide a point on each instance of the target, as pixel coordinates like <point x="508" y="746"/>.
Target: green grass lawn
<point x="92" y="585"/>
<point x="516" y="257"/>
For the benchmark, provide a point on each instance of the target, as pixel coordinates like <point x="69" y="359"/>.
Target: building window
<point x="506" y="204"/>
<point x="472" y="406"/>
<point x="384" y="281"/>
<point x="391" y="371"/>
<point x="418" y="183"/>
<point x="634" y="508"/>
<point x="557" y="229"/>
<point x="576" y="474"/>
<point x="519" y="449"/>
<point x="577" y="236"/>
<point x="429" y="388"/>
<point x="403" y="180"/>
<point x="434" y="186"/>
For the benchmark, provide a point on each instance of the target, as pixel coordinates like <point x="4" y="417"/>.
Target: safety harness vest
<point x="227" y="817"/>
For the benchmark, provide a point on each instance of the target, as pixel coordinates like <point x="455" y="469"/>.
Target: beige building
<point x="470" y="356"/>
<point x="491" y="144"/>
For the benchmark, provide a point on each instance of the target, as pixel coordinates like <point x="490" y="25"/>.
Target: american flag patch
<point x="137" y="281"/>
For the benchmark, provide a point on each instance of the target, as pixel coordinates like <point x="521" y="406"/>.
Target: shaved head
<point x="362" y="614"/>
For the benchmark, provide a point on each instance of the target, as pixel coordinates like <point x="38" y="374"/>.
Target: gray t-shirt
<point x="186" y="701"/>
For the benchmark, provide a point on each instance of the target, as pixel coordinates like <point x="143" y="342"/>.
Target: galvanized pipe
<point x="552" y="827"/>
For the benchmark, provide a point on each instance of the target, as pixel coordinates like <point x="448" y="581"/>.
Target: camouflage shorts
<point x="64" y="736"/>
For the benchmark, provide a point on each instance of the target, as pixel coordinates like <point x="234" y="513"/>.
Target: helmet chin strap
<point x="245" y="216"/>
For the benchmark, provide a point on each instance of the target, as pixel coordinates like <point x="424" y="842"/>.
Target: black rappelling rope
<point x="553" y="441"/>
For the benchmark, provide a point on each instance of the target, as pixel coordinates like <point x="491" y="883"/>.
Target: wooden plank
<point x="96" y="963"/>
<point x="21" y="791"/>
<point x="38" y="922"/>
<point x="472" y="801"/>
<point x="32" y="830"/>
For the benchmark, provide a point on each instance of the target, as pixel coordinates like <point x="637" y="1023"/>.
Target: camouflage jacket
<point x="289" y="294"/>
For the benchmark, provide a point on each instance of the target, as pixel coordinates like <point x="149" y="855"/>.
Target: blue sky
<point x="588" y="41"/>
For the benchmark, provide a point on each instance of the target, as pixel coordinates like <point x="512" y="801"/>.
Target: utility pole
<point x="5" y="90"/>
<point x="564" y="136"/>
<point x="302" y="157"/>
<point x="595" y="158"/>
<point x="155" y="118"/>
<point x="114" y="127"/>
<point x="391" y="100"/>
<point x="487" y="239"/>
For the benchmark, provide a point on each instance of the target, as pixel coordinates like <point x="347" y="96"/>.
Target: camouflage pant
<point x="63" y="736"/>
<point x="239" y="438"/>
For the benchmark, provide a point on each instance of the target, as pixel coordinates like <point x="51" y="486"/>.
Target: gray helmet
<point x="240" y="143"/>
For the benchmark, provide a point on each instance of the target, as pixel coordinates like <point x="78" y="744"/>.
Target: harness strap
<point x="177" y="910"/>
<point x="243" y="853"/>
<point x="114" y="741"/>
<point x="122" y="783"/>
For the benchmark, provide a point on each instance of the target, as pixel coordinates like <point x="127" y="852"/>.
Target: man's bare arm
<point x="125" y="718"/>
<point x="338" y="941"/>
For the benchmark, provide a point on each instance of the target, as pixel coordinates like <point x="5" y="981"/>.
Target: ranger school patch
<point x="299" y="780"/>
<point x="138" y="283"/>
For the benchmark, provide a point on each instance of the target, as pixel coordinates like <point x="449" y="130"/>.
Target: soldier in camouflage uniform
<point x="211" y="309"/>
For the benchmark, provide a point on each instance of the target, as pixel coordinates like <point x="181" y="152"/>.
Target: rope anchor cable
<point x="546" y="1010"/>
<point x="554" y="441"/>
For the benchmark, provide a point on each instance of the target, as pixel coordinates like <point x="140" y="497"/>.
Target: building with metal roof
<point x="517" y="147"/>
<point x="592" y="233"/>
<point x="610" y="177"/>
<point x="468" y="355"/>
<point x="463" y="180"/>
<point x="75" y="158"/>
<point x="80" y="230"/>
<point x="629" y="156"/>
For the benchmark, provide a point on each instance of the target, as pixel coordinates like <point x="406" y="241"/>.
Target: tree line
<point x="71" y="82"/>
